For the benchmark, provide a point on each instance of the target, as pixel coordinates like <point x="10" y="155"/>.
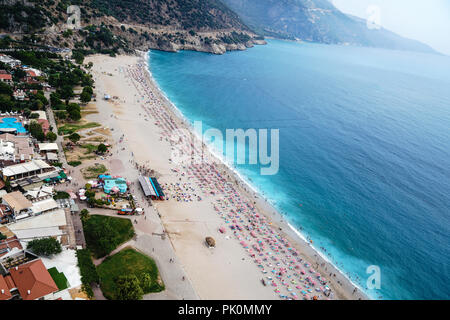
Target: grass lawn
<point x="74" y="163"/>
<point x="90" y="148"/>
<point x="126" y="262"/>
<point x="70" y="128"/>
<point x="120" y="231"/>
<point x="93" y="171"/>
<point x="59" y="278"/>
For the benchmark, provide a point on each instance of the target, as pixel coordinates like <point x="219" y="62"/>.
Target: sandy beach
<point x="204" y="198"/>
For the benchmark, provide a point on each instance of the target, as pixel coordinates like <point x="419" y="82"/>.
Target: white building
<point x="26" y="169"/>
<point x="9" y="60"/>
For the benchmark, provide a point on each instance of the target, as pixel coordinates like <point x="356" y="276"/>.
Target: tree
<point x="66" y="92"/>
<point x="101" y="236"/>
<point x="5" y="89"/>
<point x="45" y="246"/>
<point x="40" y="96"/>
<point x="2" y="236"/>
<point x="78" y="57"/>
<point x="84" y="214"/>
<point x="85" y="97"/>
<point x="146" y="282"/>
<point x="74" y="137"/>
<point x="61" y="115"/>
<point x="128" y="288"/>
<point x="55" y="99"/>
<point x="102" y="148"/>
<point x="74" y="114"/>
<point x="51" y="136"/>
<point x="74" y="111"/>
<point x="35" y="129"/>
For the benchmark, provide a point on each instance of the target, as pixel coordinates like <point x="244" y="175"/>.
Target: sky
<point x="425" y="20"/>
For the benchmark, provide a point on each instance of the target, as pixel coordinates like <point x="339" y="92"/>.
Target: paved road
<point x="76" y="221"/>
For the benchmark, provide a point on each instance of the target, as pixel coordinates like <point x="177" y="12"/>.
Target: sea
<point x="364" y="149"/>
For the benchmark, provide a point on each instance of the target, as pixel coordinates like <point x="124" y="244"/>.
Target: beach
<point x="206" y="198"/>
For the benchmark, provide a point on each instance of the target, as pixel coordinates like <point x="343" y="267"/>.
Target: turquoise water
<point x="364" y="148"/>
<point x="12" y="123"/>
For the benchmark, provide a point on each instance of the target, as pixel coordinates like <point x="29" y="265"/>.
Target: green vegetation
<point x="74" y="111"/>
<point x="128" y="287"/>
<point x="102" y="148"/>
<point x="45" y="246"/>
<point x="61" y="195"/>
<point x="2" y="236"/>
<point x="74" y="163"/>
<point x="35" y="129"/>
<point x="59" y="278"/>
<point x="193" y="14"/>
<point x="17" y="15"/>
<point x="74" y="137"/>
<point x="63" y="75"/>
<point x="84" y="214"/>
<point x="103" y="234"/>
<point x="89" y="147"/>
<point x="93" y="171"/>
<point x="51" y="136"/>
<point x="70" y="128"/>
<point x="88" y="271"/>
<point x="141" y="272"/>
<point x="86" y="95"/>
<point x="78" y="57"/>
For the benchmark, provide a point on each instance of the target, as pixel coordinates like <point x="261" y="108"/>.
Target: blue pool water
<point x="12" y="123"/>
<point x="364" y="148"/>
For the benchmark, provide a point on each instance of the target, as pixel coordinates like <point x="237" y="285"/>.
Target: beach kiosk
<point x="151" y="188"/>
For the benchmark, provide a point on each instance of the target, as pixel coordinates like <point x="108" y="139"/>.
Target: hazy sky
<point x="425" y="20"/>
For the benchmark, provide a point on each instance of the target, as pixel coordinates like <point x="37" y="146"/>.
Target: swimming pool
<point x="12" y="123"/>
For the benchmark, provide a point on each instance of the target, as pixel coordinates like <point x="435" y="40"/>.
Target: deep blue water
<point x="364" y="147"/>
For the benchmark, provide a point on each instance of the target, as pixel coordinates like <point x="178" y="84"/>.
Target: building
<point x="6" y="214"/>
<point x="15" y="148"/>
<point x="39" y="193"/>
<point x="5" y="77"/>
<point x="19" y="94"/>
<point x="42" y="114"/>
<point x="43" y="206"/>
<point x="32" y="281"/>
<point x="151" y="188"/>
<point x="6" y="288"/>
<point x="47" y="147"/>
<point x="29" y="169"/>
<point x="45" y="125"/>
<point x="52" y="157"/>
<point x="9" y="60"/>
<point x="20" y="206"/>
<point x="9" y="244"/>
<point x="115" y="185"/>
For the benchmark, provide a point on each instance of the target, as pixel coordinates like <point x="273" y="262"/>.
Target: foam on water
<point x="364" y="148"/>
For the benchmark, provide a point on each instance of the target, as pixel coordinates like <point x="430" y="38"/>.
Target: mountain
<point x="125" y="25"/>
<point x="316" y="21"/>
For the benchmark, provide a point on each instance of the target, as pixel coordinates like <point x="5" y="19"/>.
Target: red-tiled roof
<point x="31" y="73"/>
<point x="5" y="76"/>
<point x="10" y="282"/>
<point x="9" y="243"/>
<point x="5" y="294"/>
<point x="45" y="125"/>
<point x="33" y="280"/>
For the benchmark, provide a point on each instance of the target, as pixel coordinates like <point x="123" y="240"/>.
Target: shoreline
<point x="267" y="208"/>
<point x="187" y="224"/>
